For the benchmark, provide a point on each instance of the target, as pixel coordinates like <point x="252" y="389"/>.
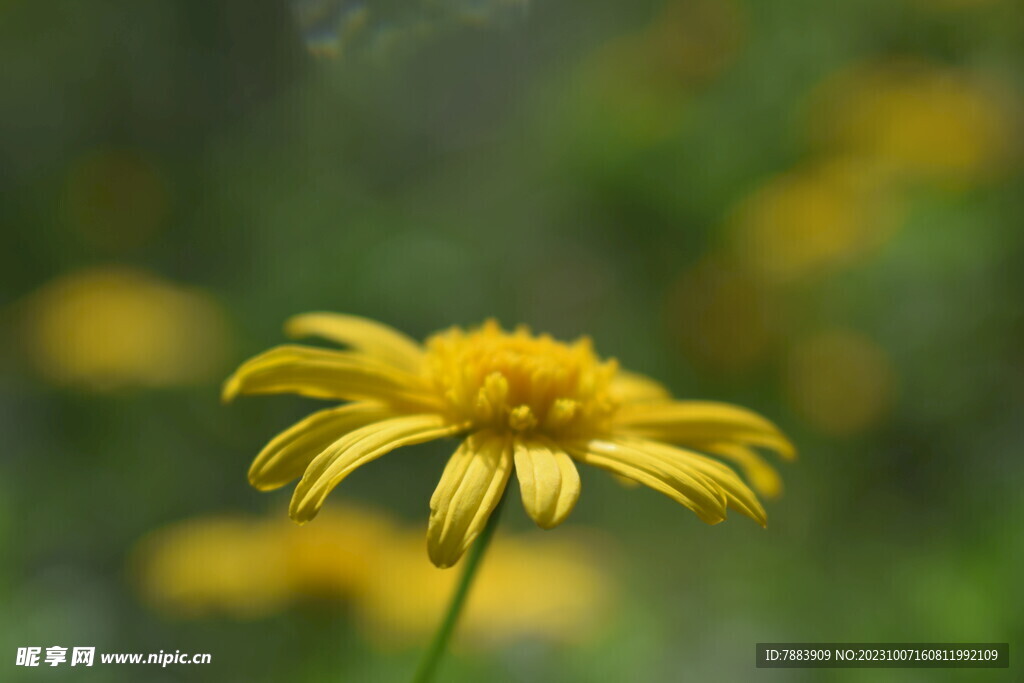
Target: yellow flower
<point x="840" y="381"/>
<point x="814" y="218"/>
<point x="249" y="567"/>
<point x="922" y="121"/>
<point x="721" y="316"/>
<point x="551" y="589"/>
<point x="525" y="403"/>
<point x="213" y="565"/>
<point x="113" y="328"/>
<point x="532" y="586"/>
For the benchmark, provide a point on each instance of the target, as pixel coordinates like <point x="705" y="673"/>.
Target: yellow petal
<point x="762" y="476"/>
<point x="368" y="336"/>
<point x="470" y="487"/>
<point x="738" y="494"/>
<point x="289" y="453"/>
<point x="548" y="481"/>
<point x="677" y="481"/>
<point x="693" y="422"/>
<point x="357" y="448"/>
<point x="324" y="373"/>
<point x="631" y="387"/>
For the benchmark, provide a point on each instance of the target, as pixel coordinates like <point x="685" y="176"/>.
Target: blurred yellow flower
<point x="720" y="315"/>
<point x="523" y="402"/>
<point x="110" y="328"/>
<point x="697" y="39"/>
<point x="247" y="568"/>
<point x="840" y="381"/>
<point x="553" y="589"/>
<point x="919" y="121"/>
<point x="636" y="88"/>
<point x="213" y="565"/>
<point x="336" y="556"/>
<point x="814" y="218"/>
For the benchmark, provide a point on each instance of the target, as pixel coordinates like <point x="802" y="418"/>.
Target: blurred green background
<point x="811" y="209"/>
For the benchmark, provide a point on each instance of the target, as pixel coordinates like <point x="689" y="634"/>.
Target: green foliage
<point x="566" y="168"/>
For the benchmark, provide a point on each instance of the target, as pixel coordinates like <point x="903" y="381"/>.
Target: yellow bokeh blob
<point x="112" y="328"/>
<point x="840" y="381"/>
<point x="529" y="586"/>
<point x="636" y="89"/>
<point x="923" y="122"/>
<point x="721" y="316"/>
<point x="697" y="39"/>
<point x="213" y="565"/>
<point x="814" y="218"/>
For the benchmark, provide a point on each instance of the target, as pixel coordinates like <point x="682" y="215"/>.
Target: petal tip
<point x="230" y="390"/>
<point x="440" y="559"/>
<point x="303" y="512"/>
<point x="257" y="481"/>
<point x="711" y="518"/>
<point x="294" y="327"/>
<point x="441" y="564"/>
<point x="786" y="448"/>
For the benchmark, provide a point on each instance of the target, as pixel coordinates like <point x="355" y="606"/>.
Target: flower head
<point x="524" y="403"/>
<point x="532" y="586"/>
<point x="520" y="384"/>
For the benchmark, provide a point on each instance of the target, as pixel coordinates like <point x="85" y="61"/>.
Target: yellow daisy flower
<point x="525" y="403"/>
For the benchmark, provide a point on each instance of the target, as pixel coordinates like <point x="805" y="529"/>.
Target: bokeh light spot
<point x="813" y="219"/>
<point x="923" y="122"/>
<point x="113" y="328"/>
<point x="840" y="381"/>
<point x="720" y="316"/>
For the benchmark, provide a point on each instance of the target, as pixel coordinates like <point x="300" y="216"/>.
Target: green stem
<point x="432" y="657"/>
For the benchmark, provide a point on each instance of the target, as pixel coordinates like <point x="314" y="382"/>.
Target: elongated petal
<point x="631" y="387"/>
<point x="471" y="485"/>
<point x="693" y="422"/>
<point x="357" y="448"/>
<point x="368" y="336"/>
<point x="680" y="483"/>
<point x="762" y="476"/>
<point x="324" y="373"/>
<point x="738" y="495"/>
<point x="548" y="481"/>
<point x="289" y="453"/>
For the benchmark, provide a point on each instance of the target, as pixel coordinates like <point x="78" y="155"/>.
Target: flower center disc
<point x="521" y="383"/>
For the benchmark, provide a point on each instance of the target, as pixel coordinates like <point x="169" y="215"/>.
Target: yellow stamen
<point x="514" y="381"/>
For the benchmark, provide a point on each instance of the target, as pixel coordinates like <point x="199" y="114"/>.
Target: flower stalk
<point x="439" y="645"/>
